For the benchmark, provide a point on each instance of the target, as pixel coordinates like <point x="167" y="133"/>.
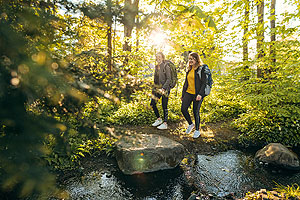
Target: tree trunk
<point x="109" y="35"/>
<point x="109" y="48"/>
<point x="246" y="25"/>
<point x="130" y="12"/>
<point x="273" y="35"/>
<point x="137" y="34"/>
<point x="260" y="37"/>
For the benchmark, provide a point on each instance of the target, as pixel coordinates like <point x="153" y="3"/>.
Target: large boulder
<point x="276" y="154"/>
<point x="147" y="153"/>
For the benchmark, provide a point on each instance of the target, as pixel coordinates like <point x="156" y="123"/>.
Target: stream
<point x="231" y="172"/>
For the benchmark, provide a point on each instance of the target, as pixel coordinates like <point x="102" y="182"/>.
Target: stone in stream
<point x="147" y="153"/>
<point x="276" y="154"/>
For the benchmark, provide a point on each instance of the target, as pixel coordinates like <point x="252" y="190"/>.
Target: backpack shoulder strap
<point x="206" y="69"/>
<point x="200" y="70"/>
<point x="167" y="62"/>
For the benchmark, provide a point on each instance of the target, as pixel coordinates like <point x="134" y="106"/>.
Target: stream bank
<point x="217" y="168"/>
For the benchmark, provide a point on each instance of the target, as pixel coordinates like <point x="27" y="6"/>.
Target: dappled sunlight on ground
<point x="214" y="136"/>
<point x="207" y="133"/>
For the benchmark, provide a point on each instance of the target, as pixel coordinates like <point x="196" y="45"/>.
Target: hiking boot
<point x="189" y="129"/>
<point x="163" y="126"/>
<point x="196" y="134"/>
<point x="157" y="122"/>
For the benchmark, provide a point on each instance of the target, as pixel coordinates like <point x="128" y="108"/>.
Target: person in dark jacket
<point x="162" y="80"/>
<point x="193" y="91"/>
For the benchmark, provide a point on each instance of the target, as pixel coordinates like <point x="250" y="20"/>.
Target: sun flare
<point x="160" y="41"/>
<point x="157" y="38"/>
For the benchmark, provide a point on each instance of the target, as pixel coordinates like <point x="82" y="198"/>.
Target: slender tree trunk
<point x="114" y="38"/>
<point x="109" y="48"/>
<point x="137" y="33"/>
<point x="109" y="36"/>
<point x="273" y="36"/>
<point x="260" y="36"/>
<point x="246" y="25"/>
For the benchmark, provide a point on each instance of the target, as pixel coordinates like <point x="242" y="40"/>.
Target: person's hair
<point x="161" y="53"/>
<point x="197" y="58"/>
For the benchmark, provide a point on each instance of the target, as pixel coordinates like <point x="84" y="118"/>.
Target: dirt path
<point x="215" y="137"/>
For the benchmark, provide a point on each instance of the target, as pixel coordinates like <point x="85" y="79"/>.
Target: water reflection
<point x="96" y="185"/>
<point x="236" y="172"/>
<point x="231" y="172"/>
<point x="167" y="184"/>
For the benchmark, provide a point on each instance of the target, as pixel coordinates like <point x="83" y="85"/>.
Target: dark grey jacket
<point x="162" y="76"/>
<point x="200" y="82"/>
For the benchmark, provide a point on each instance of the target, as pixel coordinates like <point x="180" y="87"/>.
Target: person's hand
<point x="163" y="91"/>
<point x="198" y="98"/>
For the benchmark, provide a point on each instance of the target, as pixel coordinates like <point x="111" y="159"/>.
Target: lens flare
<point x="158" y="38"/>
<point x="141" y="159"/>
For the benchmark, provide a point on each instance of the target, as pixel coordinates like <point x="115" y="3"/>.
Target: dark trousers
<point x="186" y="102"/>
<point x="165" y="100"/>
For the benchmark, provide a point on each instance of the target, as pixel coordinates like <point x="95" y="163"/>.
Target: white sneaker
<point x="189" y="129"/>
<point x="196" y="134"/>
<point x="157" y="122"/>
<point x="163" y="126"/>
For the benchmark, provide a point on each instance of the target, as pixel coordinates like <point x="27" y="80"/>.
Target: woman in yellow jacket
<point x="193" y="91"/>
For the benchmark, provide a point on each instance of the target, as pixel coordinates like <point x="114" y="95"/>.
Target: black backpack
<point x="209" y="80"/>
<point x="174" y="78"/>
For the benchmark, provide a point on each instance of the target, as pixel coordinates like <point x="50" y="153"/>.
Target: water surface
<point x="228" y="172"/>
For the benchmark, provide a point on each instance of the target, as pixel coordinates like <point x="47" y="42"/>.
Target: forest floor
<point x="214" y="138"/>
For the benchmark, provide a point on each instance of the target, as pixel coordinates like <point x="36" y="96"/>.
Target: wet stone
<point x="147" y="153"/>
<point x="277" y="155"/>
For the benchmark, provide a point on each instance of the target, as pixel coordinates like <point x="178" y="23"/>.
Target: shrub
<point x="140" y="112"/>
<point x="78" y="145"/>
<point x="273" y="112"/>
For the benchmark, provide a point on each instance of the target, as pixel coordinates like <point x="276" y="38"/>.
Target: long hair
<point x="198" y="60"/>
<point x="162" y="55"/>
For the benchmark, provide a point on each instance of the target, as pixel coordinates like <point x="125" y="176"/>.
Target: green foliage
<point x="274" y="112"/>
<point x="134" y="113"/>
<point x="79" y="133"/>
<point x="192" y="15"/>
<point x="26" y="73"/>
<point x="57" y="93"/>
<point x="99" y="110"/>
<point x="222" y="104"/>
<point x="40" y="96"/>
<point x="79" y="145"/>
<point x="140" y="112"/>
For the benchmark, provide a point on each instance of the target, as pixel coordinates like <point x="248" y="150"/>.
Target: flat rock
<point x="147" y="153"/>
